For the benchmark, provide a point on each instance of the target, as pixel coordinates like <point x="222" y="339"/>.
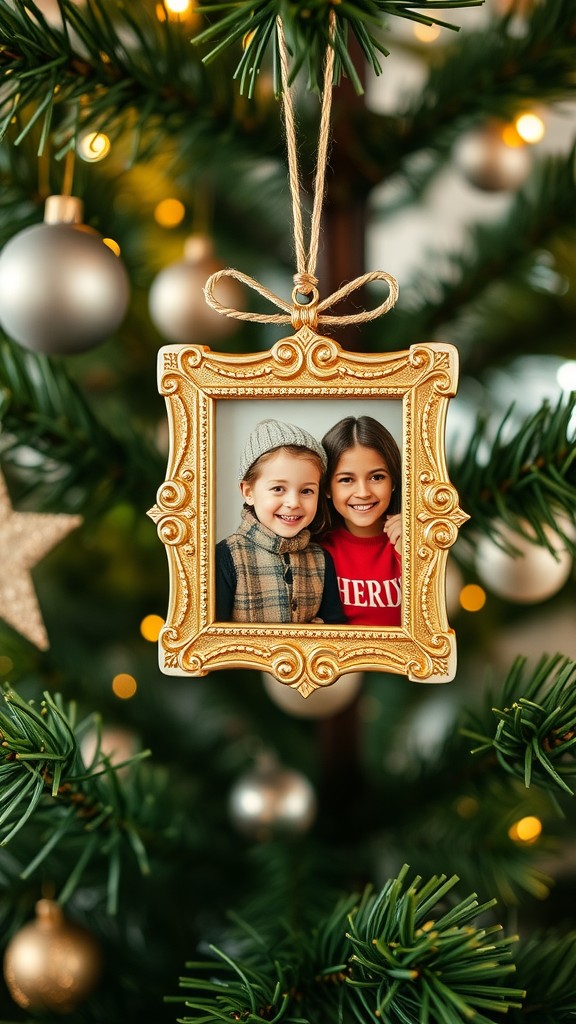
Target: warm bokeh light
<point x="112" y="245"/>
<point x="472" y="597"/>
<point x="150" y="627"/>
<point x="426" y="33"/>
<point x="247" y="39"/>
<point x="124" y="686"/>
<point x="511" y="137"/>
<point x="6" y="664"/>
<point x="94" y="146"/>
<point x="527" y="830"/>
<point x="175" y="10"/>
<point x="530" y="127"/>
<point x="169" y="213"/>
<point x="467" y="806"/>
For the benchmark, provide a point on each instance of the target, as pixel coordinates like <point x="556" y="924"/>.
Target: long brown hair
<point x="368" y="432"/>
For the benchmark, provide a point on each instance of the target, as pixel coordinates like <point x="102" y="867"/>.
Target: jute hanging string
<point x="311" y="311"/>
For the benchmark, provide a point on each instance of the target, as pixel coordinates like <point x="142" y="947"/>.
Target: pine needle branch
<point x="546" y="966"/>
<point x="542" y="213"/>
<point x="42" y="408"/>
<point x="534" y="738"/>
<point x="43" y="779"/>
<point x="308" y="30"/>
<point x="523" y="479"/>
<point x="402" y="954"/>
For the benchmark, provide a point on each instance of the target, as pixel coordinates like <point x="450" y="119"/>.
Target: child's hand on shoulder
<point x="393" y="530"/>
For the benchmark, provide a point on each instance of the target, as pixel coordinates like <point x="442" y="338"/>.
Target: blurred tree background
<point x="220" y="850"/>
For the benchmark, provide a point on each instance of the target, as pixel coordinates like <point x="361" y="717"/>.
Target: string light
<point x="124" y="686"/>
<point x="94" y="146"/>
<point x="472" y="597"/>
<point x="150" y="627"/>
<point x="169" y="213"/>
<point x="527" y="830"/>
<point x="175" y="10"/>
<point x="530" y="127"/>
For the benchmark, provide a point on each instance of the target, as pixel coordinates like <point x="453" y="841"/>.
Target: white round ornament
<point x="270" y="801"/>
<point x="534" y="575"/>
<point x="62" y="290"/>
<point x="322" y="703"/>
<point x="488" y="163"/>
<point x="176" y="300"/>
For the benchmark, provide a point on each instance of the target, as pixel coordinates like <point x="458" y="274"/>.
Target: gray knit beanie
<point x="271" y="434"/>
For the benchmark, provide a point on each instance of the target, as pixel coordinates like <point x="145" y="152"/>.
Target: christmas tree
<point x="220" y="848"/>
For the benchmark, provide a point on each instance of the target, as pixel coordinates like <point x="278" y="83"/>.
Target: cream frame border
<point x="307" y="366"/>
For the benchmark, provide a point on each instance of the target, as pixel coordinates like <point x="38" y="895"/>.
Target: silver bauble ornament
<point x="176" y="300"/>
<point x="51" y="964"/>
<point x="322" y="702"/>
<point x="532" y="576"/>
<point x="271" y="801"/>
<point x="62" y="290"/>
<point x="487" y="162"/>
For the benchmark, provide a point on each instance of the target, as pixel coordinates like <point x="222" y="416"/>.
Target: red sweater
<point x="369" y="577"/>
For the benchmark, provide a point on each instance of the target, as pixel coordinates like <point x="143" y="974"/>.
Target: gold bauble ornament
<point x="51" y="964"/>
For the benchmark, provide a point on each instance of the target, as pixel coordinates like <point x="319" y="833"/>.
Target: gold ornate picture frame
<point x="305" y="368"/>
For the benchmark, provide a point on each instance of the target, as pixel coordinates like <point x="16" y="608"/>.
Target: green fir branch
<point x="307" y="27"/>
<point x="523" y="479"/>
<point x="102" y="63"/>
<point x="541" y="214"/>
<point x="534" y="738"/>
<point x="408" y="953"/>
<point x="43" y="776"/>
<point x="546" y="966"/>
<point x="42" y="408"/>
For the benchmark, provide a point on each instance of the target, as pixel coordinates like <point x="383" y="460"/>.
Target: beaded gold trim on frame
<point x="306" y="366"/>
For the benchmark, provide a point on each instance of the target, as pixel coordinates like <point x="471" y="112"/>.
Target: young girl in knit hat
<point x="268" y="570"/>
<point x="364" y="484"/>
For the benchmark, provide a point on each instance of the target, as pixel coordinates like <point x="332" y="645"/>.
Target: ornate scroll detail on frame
<point x="307" y="366"/>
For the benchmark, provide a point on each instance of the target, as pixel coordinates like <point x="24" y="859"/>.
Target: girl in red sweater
<point x="364" y="485"/>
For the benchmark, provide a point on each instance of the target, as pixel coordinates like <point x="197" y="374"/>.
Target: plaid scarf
<point x="278" y="579"/>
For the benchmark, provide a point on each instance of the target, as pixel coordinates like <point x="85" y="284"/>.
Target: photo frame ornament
<point x="307" y="366"/>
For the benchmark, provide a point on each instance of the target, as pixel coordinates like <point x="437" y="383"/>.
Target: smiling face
<point x="361" y="488"/>
<point x="284" y="491"/>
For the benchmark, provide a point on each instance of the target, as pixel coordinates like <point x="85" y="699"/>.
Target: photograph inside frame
<point x="307" y="512"/>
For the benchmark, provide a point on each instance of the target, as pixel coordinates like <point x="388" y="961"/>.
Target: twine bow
<point x="309" y="312"/>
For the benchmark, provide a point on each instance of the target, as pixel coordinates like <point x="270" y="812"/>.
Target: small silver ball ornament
<point x="62" y="290"/>
<point x="488" y="163"/>
<point x="322" y="702"/>
<point x="176" y="301"/>
<point x="270" y="801"/>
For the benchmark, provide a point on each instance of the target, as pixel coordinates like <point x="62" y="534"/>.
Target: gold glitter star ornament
<point x="25" y="537"/>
